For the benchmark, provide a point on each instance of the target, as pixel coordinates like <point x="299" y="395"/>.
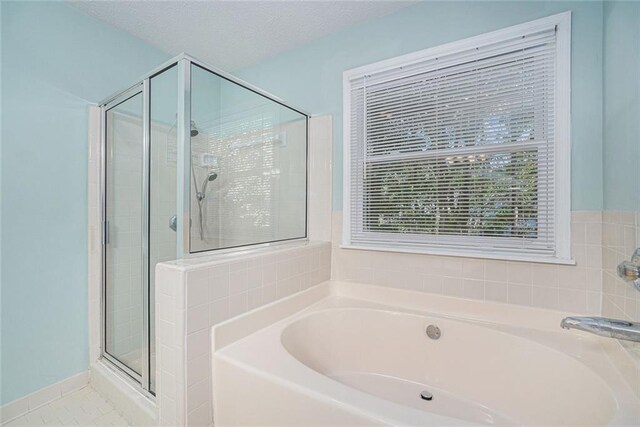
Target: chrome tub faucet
<point x="610" y="328"/>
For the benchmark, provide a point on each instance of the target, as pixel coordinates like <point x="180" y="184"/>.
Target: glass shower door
<point x="124" y="279"/>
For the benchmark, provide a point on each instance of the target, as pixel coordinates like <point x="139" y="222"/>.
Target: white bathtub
<point x="346" y="354"/>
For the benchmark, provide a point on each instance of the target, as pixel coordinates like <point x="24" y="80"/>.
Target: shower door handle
<point x="173" y="223"/>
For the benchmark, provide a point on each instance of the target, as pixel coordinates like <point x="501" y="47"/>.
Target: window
<point x="463" y="149"/>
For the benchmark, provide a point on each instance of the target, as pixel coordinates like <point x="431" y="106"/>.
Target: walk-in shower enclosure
<point x="193" y="161"/>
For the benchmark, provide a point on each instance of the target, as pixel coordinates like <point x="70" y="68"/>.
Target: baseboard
<point x="44" y="396"/>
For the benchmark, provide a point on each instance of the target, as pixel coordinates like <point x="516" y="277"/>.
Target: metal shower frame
<point x="183" y="63"/>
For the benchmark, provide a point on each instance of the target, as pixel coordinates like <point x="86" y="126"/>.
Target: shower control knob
<point x="173" y="223"/>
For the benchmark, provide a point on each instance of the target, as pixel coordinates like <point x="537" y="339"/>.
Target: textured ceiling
<point x="234" y="34"/>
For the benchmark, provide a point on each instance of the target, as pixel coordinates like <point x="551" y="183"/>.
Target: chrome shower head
<point x="194" y="129"/>
<point x="211" y="176"/>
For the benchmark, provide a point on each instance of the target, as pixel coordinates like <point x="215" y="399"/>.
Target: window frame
<point x="562" y="138"/>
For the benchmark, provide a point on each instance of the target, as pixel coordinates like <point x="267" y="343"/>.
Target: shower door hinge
<point x="105" y="232"/>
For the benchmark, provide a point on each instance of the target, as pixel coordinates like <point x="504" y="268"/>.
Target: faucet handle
<point x="629" y="271"/>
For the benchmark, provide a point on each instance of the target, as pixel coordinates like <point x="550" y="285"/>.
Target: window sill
<point x="464" y="254"/>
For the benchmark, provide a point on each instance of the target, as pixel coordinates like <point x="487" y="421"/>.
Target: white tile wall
<point x="170" y="344"/>
<point x="620" y="237"/>
<point x="576" y="289"/>
<point x="194" y="295"/>
<point x="320" y="177"/>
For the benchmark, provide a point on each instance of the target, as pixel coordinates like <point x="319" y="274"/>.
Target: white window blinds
<point x="457" y="151"/>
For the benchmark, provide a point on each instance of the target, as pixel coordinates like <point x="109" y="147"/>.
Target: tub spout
<point x="610" y="328"/>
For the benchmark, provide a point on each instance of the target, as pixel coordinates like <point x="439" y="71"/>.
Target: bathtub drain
<point x="425" y="395"/>
<point x="433" y="332"/>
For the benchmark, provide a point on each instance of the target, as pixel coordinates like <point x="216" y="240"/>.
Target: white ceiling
<point x="234" y="34"/>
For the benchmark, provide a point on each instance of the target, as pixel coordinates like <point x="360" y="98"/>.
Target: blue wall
<point x="311" y="77"/>
<point x="55" y="61"/>
<point x="622" y="105"/>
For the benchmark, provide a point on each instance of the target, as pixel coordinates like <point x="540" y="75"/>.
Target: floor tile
<point x="84" y="407"/>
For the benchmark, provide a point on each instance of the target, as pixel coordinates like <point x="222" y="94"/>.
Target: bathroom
<point x="320" y="213"/>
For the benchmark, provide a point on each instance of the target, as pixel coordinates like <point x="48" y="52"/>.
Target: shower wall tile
<point x="195" y="294"/>
<point x="572" y="288"/>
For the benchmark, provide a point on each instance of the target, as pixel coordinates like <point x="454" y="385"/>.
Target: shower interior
<point x="193" y="161"/>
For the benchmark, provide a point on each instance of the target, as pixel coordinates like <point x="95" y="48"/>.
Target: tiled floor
<point x="84" y="407"/>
